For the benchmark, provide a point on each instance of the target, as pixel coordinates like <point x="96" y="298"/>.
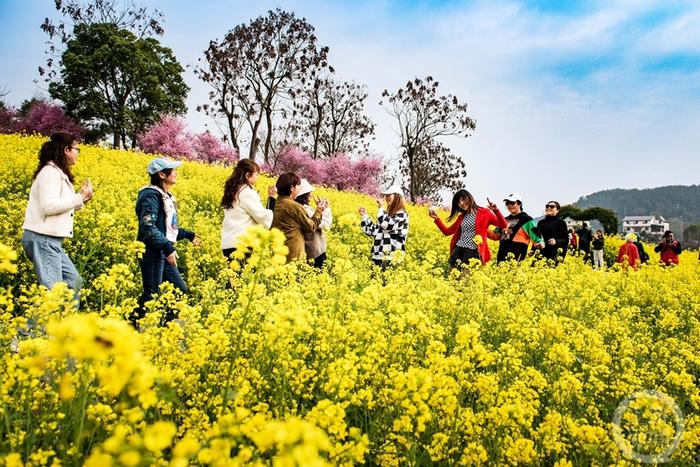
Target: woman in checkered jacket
<point x="391" y="230"/>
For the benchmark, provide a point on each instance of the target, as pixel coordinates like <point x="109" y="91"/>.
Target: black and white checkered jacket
<point x="389" y="233"/>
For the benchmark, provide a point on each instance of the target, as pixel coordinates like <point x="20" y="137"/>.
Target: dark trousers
<point x="383" y="264"/>
<point x="155" y="271"/>
<point x="518" y="249"/>
<point x="228" y="252"/>
<point x="319" y="260"/>
<point x="462" y="255"/>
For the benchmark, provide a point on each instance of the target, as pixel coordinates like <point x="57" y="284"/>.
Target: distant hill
<point x="671" y="202"/>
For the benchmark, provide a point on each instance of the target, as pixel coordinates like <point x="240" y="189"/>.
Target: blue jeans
<point x="155" y="271"/>
<point x="51" y="263"/>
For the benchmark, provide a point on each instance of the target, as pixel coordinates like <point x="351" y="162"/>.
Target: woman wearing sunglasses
<point x="519" y="232"/>
<point x="554" y="233"/>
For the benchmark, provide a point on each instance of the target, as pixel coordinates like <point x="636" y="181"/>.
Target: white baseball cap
<point x="393" y="190"/>
<point x="304" y="187"/>
<point x="513" y="197"/>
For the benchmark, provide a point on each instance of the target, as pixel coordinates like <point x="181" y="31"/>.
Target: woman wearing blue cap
<point x="156" y="210"/>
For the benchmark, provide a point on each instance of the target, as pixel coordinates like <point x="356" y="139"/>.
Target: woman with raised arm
<point x="391" y="229"/>
<point x="470" y="230"/>
<point x="242" y="205"/>
<point x="314" y="242"/>
<point x="291" y="218"/>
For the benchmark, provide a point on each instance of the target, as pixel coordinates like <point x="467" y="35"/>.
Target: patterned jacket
<point x="389" y="233"/>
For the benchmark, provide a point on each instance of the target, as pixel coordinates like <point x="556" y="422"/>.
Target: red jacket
<point x="669" y="253"/>
<point x="630" y="251"/>
<point x="484" y="218"/>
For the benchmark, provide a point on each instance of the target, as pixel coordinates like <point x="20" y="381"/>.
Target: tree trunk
<point x="317" y="134"/>
<point x="254" y="140"/>
<point x="268" y="137"/>
<point x="232" y="132"/>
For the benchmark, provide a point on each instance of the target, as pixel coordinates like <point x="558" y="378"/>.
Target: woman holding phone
<point x="470" y="230"/>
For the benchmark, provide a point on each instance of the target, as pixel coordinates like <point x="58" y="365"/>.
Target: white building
<point x="649" y="226"/>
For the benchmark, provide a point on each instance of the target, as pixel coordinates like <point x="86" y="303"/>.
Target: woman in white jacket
<point x="48" y="219"/>
<point x="242" y="205"/>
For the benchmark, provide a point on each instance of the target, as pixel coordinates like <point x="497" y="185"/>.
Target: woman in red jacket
<point x="669" y="248"/>
<point x="470" y="230"/>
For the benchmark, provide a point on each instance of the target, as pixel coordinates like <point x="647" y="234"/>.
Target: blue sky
<point x="569" y="97"/>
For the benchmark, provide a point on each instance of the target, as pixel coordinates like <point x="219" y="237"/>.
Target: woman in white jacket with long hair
<point x="242" y="205"/>
<point x="48" y="219"/>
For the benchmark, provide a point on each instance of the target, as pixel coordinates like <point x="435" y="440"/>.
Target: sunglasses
<point x="510" y="203"/>
<point x="550" y="206"/>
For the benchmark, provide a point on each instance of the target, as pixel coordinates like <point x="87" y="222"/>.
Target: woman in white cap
<point x="520" y="231"/>
<point x="391" y="230"/>
<point x="314" y="242"/>
<point x="291" y="218"/>
<point x="242" y="205"/>
<point x="48" y="219"/>
<point x="159" y="230"/>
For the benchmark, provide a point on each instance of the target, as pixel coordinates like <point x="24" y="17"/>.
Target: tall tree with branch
<point x="256" y="66"/>
<point x="423" y="116"/>
<point x="329" y="115"/>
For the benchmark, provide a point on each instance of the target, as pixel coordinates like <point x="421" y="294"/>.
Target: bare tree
<point x="256" y="66"/>
<point x="423" y="116"/>
<point x="330" y="116"/>
<point x="125" y="14"/>
<point x="438" y="169"/>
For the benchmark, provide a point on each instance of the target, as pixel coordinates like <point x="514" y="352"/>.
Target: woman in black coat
<point x="554" y="232"/>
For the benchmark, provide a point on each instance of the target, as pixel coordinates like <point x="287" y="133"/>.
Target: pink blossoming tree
<point x="171" y="137"/>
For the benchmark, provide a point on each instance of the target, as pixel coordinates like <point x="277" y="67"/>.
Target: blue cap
<point x="156" y="165"/>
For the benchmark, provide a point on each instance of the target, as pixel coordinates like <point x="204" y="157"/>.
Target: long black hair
<point x="237" y="179"/>
<point x="459" y="196"/>
<point x="54" y="150"/>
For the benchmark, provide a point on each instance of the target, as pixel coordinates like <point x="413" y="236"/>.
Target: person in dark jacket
<point x="669" y="248"/>
<point x="643" y="255"/>
<point x="554" y="233"/>
<point x="598" y="245"/>
<point x="585" y="236"/>
<point x="519" y="232"/>
<point x="159" y="229"/>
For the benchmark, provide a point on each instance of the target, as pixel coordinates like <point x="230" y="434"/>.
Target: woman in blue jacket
<point x="156" y="210"/>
